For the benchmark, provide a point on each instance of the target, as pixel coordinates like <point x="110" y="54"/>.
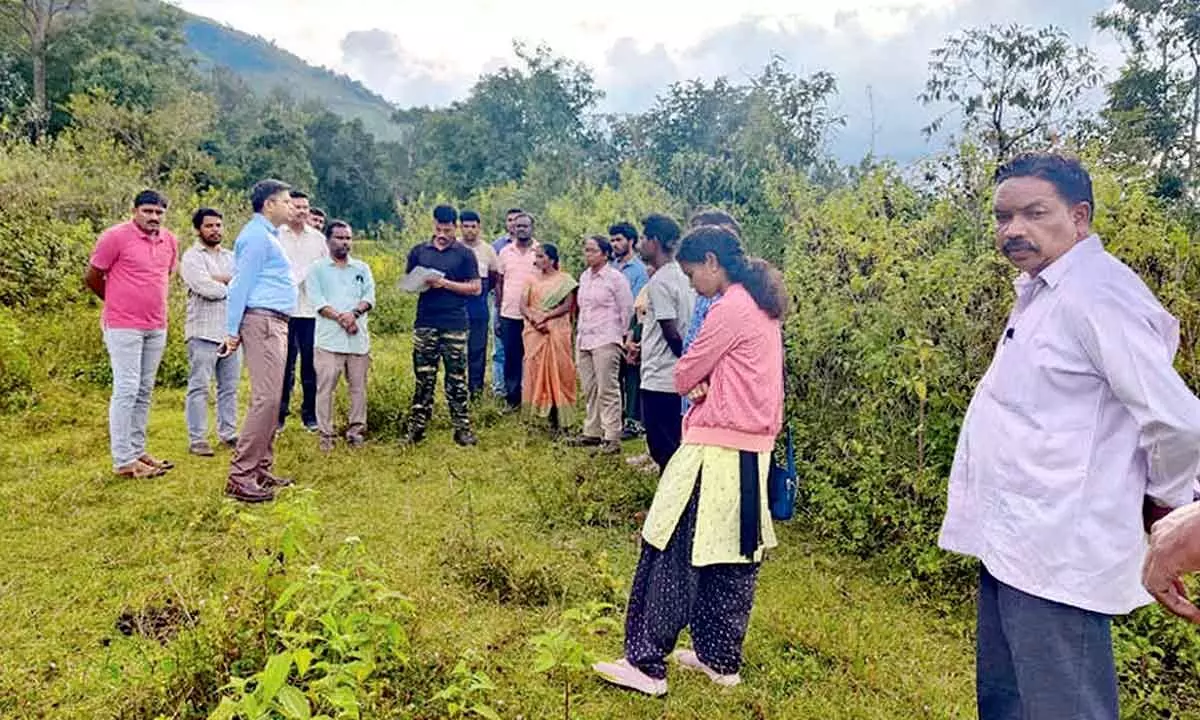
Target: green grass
<point x="79" y="547"/>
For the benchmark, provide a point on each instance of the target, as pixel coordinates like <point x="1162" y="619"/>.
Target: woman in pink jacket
<point x="709" y="524"/>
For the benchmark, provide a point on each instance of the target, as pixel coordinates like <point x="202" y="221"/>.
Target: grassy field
<point x="490" y="544"/>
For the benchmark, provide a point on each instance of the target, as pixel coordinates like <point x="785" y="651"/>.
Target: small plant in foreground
<point x="561" y="653"/>
<point x="467" y="694"/>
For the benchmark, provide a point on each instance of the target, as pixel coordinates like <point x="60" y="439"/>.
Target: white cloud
<point x="417" y="52"/>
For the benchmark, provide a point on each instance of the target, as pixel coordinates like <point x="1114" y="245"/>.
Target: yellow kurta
<point x="718" y="514"/>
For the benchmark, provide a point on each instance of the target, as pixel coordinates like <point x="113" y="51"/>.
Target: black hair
<point x="264" y="190"/>
<point x="150" y="197"/>
<point x="715" y="216"/>
<point x="761" y="280"/>
<point x="298" y="195"/>
<point x="524" y="214"/>
<point x="1066" y="174"/>
<point x="514" y="211"/>
<point x="662" y="229"/>
<point x="333" y="224"/>
<point x="445" y="214"/>
<point x="602" y="243"/>
<point x="550" y="250"/>
<point x="468" y="216"/>
<point x="316" y="211"/>
<point x="624" y="229"/>
<point x="204" y="212"/>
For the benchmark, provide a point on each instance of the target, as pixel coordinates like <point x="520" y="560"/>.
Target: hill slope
<point x="265" y="66"/>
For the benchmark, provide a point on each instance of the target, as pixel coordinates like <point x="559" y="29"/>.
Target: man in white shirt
<point x="1079" y="436"/>
<point x="304" y="246"/>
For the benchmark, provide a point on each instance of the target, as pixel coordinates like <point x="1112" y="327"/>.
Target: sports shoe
<point x="311" y="426"/>
<point x="622" y="673"/>
<point x="609" y="447"/>
<point x="584" y="441"/>
<point x="465" y="438"/>
<point x="355" y="441"/>
<point x="690" y="660"/>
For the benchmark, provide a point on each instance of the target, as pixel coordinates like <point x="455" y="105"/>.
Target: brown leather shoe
<point x="139" y="470"/>
<point x="201" y="448"/>
<point x="248" y="494"/>
<point x="152" y="461"/>
<point x="267" y="481"/>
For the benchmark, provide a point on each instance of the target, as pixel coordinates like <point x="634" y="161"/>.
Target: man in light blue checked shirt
<point x="342" y="290"/>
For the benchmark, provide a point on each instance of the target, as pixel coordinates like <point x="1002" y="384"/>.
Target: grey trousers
<point x="203" y="366"/>
<point x="134" y="356"/>
<point x="1041" y="660"/>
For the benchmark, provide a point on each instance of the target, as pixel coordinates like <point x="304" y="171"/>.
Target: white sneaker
<point x="690" y="660"/>
<point x="621" y="672"/>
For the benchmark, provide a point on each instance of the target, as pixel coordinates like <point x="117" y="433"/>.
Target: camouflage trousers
<point x="449" y="347"/>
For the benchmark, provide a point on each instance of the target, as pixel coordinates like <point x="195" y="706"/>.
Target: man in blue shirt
<point x="623" y="236"/>
<point x="498" y="351"/>
<point x="342" y="290"/>
<point x="261" y="298"/>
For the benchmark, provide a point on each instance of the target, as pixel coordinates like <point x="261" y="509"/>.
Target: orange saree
<point x="549" y="378"/>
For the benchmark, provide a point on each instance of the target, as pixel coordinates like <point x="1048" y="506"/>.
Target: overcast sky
<point x="424" y="52"/>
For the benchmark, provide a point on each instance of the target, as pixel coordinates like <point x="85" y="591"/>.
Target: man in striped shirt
<point x="207" y="269"/>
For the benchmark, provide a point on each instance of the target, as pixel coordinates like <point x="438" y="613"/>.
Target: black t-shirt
<point x="437" y="307"/>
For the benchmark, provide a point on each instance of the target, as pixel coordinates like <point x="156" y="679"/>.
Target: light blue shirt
<point x="699" y="312"/>
<point x="262" y="276"/>
<point x="342" y="288"/>
<point x="635" y="272"/>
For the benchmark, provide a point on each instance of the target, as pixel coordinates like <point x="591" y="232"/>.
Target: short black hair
<point x="524" y="214"/>
<point x="204" y="212"/>
<point x="298" y="194"/>
<point x="625" y="229"/>
<point x="468" y="216"/>
<point x="663" y="229"/>
<point x="316" y="211"/>
<point x="445" y="214"/>
<point x="150" y="197"/>
<point x="264" y="190"/>
<point x="602" y="243"/>
<point x="715" y="216"/>
<point x="1066" y="174"/>
<point x="513" y="211"/>
<point x="334" y="224"/>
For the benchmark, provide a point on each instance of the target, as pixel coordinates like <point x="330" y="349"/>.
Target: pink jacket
<point x="739" y="351"/>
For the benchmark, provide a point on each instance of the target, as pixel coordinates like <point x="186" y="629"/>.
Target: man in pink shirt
<point x="516" y="270"/>
<point x="129" y="270"/>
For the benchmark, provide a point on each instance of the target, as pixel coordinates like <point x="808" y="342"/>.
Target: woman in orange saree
<point x="548" y="384"/>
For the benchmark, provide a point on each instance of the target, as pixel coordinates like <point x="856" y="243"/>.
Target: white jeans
<point x="134" y="356"/>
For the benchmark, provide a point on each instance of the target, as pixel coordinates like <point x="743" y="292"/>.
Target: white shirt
<point x="302" y="251"/>
<point x="1080" y="415"/>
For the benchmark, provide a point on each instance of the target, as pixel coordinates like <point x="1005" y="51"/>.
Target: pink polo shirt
<point x="518" y="269"/>
<point x="605" y="304"/>
<point x="136" y="267"/>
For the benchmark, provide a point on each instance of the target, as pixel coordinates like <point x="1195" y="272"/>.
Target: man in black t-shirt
<point x="440" y="332"/>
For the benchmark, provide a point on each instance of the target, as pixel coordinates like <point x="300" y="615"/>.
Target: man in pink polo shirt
<point x="129" y="270"/>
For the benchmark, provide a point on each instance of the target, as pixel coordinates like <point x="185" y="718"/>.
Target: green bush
<point x="16" y="370"/>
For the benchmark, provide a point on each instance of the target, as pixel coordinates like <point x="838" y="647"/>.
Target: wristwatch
<point x="357" y="313"/>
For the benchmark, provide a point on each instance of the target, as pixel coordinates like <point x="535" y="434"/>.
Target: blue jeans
<point x="203" y="365"/>
<point x="497" y="354"/>
<point x="1041" y="660"/>
<point x="134" y="356"/>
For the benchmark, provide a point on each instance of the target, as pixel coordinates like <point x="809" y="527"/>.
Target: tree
<point x="1153" y="110"/>
<point x="1015" y="87"/>
<point x="41" y="22"/>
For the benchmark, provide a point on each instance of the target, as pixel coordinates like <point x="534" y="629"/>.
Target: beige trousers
<point x="330" y="367"/>
<point x="264" y="350"/>
<point x="600" y="374"/>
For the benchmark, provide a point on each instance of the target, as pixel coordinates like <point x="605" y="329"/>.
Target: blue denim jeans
<point x="203" y="366"/>
<point x="1041" y="660"/>
<point x="497" y="354"/>
<point x="134" y="356"/>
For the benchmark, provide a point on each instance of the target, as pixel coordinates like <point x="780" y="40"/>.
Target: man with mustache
<point x="1080" y="435"/>
<point x="207" y="269"/>
<point x="128" y="271"/>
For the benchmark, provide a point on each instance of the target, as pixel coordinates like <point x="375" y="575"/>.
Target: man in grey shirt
<point x="669" y="309"/>
<point x="207" y="269"/>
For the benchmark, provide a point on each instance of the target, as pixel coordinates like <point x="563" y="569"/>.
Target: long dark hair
<point x="551" y="251"/>
<point x="761" y="280"/>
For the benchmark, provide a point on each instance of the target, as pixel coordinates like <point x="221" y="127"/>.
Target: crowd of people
<point x="1080" y="439"/>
